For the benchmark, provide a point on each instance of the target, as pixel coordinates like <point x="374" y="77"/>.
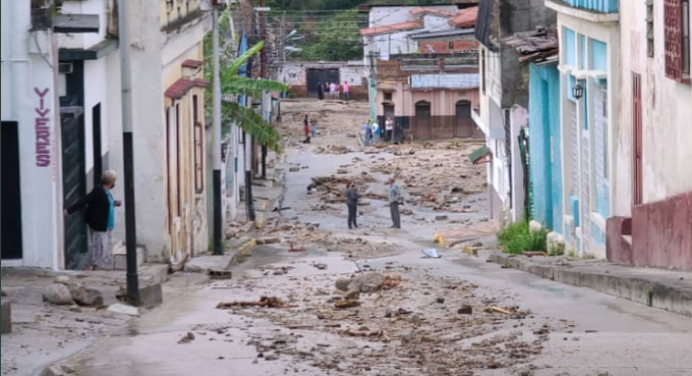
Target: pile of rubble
<point x="437" y="176"/>
<point x="420" y="323"/>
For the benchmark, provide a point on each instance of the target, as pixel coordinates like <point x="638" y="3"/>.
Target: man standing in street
<point x="100" y="216"/>
<point x="395" y="200"/>
<point x="352" y="204"/>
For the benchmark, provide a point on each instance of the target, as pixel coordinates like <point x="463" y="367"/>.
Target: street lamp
<point x="578" y="91"/>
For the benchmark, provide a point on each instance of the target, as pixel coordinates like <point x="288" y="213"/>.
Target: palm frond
<point x="242" y="59"/>
<point x="249" y="86"/>
<point x="253" y="123"/>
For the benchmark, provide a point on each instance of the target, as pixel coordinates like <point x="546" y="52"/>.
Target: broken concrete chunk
<point x="294" y="169"/>
<point x="367" y="283"/>
<point x="441" y="218"/>
<point x="62" y="279"/>
<point x="124" y="309"/>
<point x="86" y="296"/>
<point x="465" y="310"/>
<point x="342" y="283"/>
<point x="57" y="294"/>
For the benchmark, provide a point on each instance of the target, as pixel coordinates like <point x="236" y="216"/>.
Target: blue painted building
<point x="589" y="36"/>
<point x="539" y="49"/>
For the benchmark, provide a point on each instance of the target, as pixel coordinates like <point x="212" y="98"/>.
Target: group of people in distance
<point x="334" y="90"/>
<point x="374" y="132"/>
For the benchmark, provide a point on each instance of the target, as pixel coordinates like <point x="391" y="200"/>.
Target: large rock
<point x="57" y="294"/>
<point x="367" y="283"/>
<point x="86" y="296"/>
<point x="342" y="283"/>
<point x="62" y="279"/>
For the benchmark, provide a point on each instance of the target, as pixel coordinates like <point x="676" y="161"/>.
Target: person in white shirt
<point x="332" y="90"/>
<point x="389" y="128"/>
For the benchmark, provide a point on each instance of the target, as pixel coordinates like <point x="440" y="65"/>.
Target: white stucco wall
<point x="666" y="111"/>
<point x="84" y="40"/>
<point x="26" y="73"/>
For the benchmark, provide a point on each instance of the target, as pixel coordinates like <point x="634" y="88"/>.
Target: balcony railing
<point x="602" y="6"/>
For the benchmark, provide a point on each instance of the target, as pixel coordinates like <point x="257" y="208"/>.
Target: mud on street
<point x="315" y="298"/>
<point x="422" y="323"/>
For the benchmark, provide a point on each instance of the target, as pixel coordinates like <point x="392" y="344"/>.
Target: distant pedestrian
<point x="395" y="199"/>
<point x="377" y="131"/>
<point x="347" y="92"/>
<point x="333" y="91"/>
<point x="306" y="129"/>
<point x="368" y="133"/>
<point x="100" y="216"/>
<point x="320" y="91"/>
<point x="389" y="128"/>
<point x="352" y="204"/>
<point x="313" y="127"/>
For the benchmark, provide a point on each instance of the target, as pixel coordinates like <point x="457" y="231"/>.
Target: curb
<point x="639" y="290"/>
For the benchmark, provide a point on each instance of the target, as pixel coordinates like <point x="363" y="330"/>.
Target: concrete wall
<point x="660" y="227"/>
<point x="294" y="74"/>
<point x="28" y="84"/>
<point x="666" y="116"/>
<point x="85" y="40"/>
<point x="156" y="65"/>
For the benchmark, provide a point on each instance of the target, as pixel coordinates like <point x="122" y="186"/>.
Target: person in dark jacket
<point x="100" y="216"/>
<point x="320" y="91"/>
<point x="352" y="204"/>
<point x="306" y="129"/>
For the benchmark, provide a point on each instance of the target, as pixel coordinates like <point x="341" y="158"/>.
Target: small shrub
<point x="517" y="238"/>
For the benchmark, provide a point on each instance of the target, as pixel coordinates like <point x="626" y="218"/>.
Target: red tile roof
<point x="193" y="64"/>
<point x="394" y="28"/>
<point x="199" y="82"/>
<point x="436" y="12"/>
<point x="179" y="88"/>
<point x="466" y="18"/>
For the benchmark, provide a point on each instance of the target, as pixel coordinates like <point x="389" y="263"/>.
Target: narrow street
<point x="454" y="315"/>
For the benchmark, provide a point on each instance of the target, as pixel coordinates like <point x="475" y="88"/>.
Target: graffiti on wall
<point x="43" y="143"/>
<point x="293" y="75"/>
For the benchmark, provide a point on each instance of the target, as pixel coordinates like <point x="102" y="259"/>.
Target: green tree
<point x="337" y="38"/>
<point x="232" y="84"/>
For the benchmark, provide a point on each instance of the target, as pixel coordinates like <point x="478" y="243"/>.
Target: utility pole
<point x="372" y="87"/>
<point x="128" y="152"/>
<point x="216" y="142"/>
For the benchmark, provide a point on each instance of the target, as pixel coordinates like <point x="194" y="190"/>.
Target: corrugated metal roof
<point x="536" y="46"/>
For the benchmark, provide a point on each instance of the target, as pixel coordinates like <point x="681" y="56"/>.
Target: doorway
<point x="463" y="125"/>
<point x="98" y="149"/>
<point x="11" y="193"/>
<point x="423" y="129"/>
<point x="316" y="76"/>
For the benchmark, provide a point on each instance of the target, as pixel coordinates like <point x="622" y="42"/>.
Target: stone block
<point x="120" y="257"/>
<point x="151" y="295"/>
<point x="6" y="316"/>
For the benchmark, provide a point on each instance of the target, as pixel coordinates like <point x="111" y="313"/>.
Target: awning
<point x="479" y="156"/>
<point x="183" y="86"/>
<point x="95" y="52"/>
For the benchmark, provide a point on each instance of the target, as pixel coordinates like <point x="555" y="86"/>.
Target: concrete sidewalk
<point x="43" y="333"/>
<point x="663" y="289"/>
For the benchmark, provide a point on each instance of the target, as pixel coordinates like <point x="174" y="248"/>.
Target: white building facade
<point x="31" y="177"/>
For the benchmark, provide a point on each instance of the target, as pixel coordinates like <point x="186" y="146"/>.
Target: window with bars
<point x="650" y="28"/>
<point x="677" y="40"/>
